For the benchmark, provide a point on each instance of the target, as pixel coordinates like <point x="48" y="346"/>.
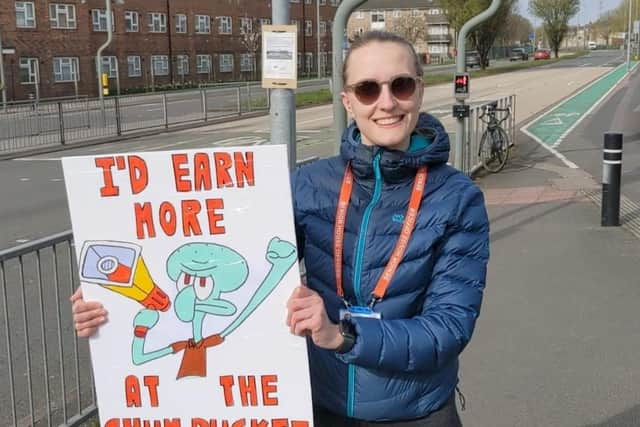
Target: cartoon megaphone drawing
<point x="119" y="267"/>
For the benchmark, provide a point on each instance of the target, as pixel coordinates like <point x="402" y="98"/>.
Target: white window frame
<point x="181" y="23"/>
<point x="131" y="21"/>
<point x="264" y="21"/>
<point x="67" y="11"/>
<point x="396" y="13"/>
<point x="32" y="65"/>
<point x="28" y="10"/>
<point x="333" y="2"/>
<point x="203" y="24"/>
<point x="359" y="14"/>
<point x="223" y="23"/>
<point x="203" y="64"/>
<point x="415" y="13"/>
<point x="98" y="17"/>
<point x="157" y="22"/>
<point x="182" y="65"/>
<point x="375" y="16"/>
<point x="246" y="25"/>
<point x="308" y="62"/>
<point x="134" y="67"/>
<point x="246" y="62"/>
<point x="162" y="62"/>
<point x="323" y="28"/>
<point x="110" y="66"/>
<point x="308" y="28"/>
<point x="70" y="65"/>
<point x="323" y="2"/>
<point x="226" y="62"/>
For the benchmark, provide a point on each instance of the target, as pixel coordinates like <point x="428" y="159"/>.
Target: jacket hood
<point x="395" y="165"/>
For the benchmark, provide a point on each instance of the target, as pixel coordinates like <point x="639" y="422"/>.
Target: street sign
<point x="8" y="51"/>
<point x="532" y="37"/>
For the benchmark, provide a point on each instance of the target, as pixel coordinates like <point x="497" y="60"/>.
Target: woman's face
<point x="388" y="120"/>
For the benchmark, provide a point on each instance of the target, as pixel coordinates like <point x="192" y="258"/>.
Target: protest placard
<point x="193" y="255"/>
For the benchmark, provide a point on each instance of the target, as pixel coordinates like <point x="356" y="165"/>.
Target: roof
<point x="398" y="4"/>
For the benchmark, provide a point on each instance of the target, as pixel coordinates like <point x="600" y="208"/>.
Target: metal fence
<point x="44" y="369"/>
<point x="39" y="124"/>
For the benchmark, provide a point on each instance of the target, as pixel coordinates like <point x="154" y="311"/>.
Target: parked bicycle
<point x="494" y="144"/>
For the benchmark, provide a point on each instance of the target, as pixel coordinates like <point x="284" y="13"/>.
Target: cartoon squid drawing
<point x="202" y="272"/>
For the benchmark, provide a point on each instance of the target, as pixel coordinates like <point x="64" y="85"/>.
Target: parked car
<point x="542" y="54"/>
<point x="518" y="54"/>
<point x="473" y="59"/>
<point x="593" y="45"/>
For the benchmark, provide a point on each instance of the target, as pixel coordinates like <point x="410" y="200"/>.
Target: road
<point x="34" y="200"/>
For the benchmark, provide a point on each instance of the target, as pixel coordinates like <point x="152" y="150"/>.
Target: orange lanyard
<point x="403" y="240"/>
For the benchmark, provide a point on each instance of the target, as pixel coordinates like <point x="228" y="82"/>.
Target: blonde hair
<point x="380" y="37"/>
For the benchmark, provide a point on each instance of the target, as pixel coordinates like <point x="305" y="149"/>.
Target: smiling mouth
<point x="389" y="121"/>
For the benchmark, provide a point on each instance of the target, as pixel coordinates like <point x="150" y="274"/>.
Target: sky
<point x="589" y="10"/>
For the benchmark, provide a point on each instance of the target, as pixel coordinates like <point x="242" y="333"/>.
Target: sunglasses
<point x="368" y="91"/>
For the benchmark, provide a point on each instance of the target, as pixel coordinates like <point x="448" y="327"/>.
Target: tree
<point x="251" y="39"/>
<point x="482" y="36"/>
<point x="516" y="30"/>
<point x="555" y="15"/>
<point x="411" y="27"/>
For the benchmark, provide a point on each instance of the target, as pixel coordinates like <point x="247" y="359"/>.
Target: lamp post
<point x="318" y="34"/>
<point x="629" y="37"/>
<point x="102" y="48"/>
<point x="3" y="83"/>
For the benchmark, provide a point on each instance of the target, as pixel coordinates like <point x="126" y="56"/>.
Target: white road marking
<point x="555" y="152"/>
<point x="154" y="109"/>
<point x="22" y="240"/>
<point x="55" y="179"/>
<point x="25" y="179"/>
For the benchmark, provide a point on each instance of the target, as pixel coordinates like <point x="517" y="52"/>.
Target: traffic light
<point x="461" y="85"/>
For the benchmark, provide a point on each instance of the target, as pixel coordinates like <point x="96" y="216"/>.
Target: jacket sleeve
<point x="294" y="177"/>
<point x="440" y="331"/>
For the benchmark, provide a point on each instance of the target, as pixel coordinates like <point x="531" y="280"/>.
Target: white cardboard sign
<point x="193" y="255"/>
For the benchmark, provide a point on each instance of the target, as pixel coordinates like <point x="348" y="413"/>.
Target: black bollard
<point x="611" y="177"/>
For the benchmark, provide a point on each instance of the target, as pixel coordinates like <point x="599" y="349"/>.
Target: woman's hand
<point x="306" y="315"/>
<point x="87" y="316"/>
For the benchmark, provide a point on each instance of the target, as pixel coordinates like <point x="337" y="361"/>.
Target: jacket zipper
<point x="358" y="270"/>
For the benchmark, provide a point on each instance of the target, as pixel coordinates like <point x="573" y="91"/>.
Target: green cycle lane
<point x="551" y="127"/>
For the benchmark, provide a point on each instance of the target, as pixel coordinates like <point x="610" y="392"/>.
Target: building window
<point x="224" y="26"/>
<point x="25" y="14"/>
<point x="359" y="15"/>
<point x="377" y="16"/>
<point x="181" y="23"/>
<point x="62" y="15"/>
<point x="203" y="64"/>
<point x="99" y="19"/>
<point x="110" y="66"/>
<point x="396" y="13"/>
<point x="28" y="70"/>
<point x="160" y="65"/>
<point x="182" y="65"/>
<point x="157" y="22"/>
<point x="308" y="62"/>
<point x="226" y="63"/>
<point x="308" y="28"/>
<point x="131" y="22"/>
<point x="294" y="1"/>
<point x="246" y="25"/>
<point x="323" y="28"/>
<point x="333" y="2"/>
<point x="299" y="62"/>
<point x="203" y="24"/>
<point x="323" y="2"/>
<point x="415" y="13"/>
<point x="264" y="21"/>
<point x="65" y="69"/>
<point x="133" y="66"/>
<point x="307" y="1"/>
<point x="246" y="62"/>
<point x="297" y="24"/>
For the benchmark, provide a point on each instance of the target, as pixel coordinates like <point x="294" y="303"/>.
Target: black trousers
<point x="447" y="416"/>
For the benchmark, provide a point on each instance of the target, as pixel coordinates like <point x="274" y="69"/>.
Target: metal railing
<point x="45" y="370"/>
<point x="38" y="124"/>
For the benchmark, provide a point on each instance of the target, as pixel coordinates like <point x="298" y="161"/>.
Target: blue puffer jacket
<point x="405" y="365"/>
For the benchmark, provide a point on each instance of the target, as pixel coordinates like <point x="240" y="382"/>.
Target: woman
<point x="395" y="244"/>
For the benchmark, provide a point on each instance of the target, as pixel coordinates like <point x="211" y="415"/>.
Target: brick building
<point x="155" y="42"/>
<point x="424" y="21"/>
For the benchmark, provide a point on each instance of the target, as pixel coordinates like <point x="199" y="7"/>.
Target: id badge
<point x="359" y="311"/>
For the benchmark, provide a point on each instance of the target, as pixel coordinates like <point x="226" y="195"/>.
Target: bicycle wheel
<point x="494" y="149"/>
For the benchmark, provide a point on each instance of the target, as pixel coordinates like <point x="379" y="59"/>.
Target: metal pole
<point x="3" y="83"/>
<point x="337" y="41"/>
<point x="102" y="48"/>
<point x="318" y="35"/>
<point x="75" y="77"/>
<point x="461" y="67"/>
<point x="283" y="111"/>
<point x="611" y="177"/>
<point x="629" y="38"/>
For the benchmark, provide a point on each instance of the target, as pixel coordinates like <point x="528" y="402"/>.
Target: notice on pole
<point x="279" y="56"/>
<point x="193" y="254"/>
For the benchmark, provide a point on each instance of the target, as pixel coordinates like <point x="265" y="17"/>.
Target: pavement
<point x="558" y="339"/>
